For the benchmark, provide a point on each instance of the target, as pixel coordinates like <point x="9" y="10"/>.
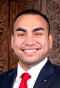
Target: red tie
<point x="25" y="77"/>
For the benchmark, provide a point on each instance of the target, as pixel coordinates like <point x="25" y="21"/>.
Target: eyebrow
<point x="24" y="30"/>
<point x="21" y="29"/>
<point x="38" y="29"/>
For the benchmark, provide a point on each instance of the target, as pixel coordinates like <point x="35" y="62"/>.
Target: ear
<point x="12" y="39"/>
<point x="50" y="40"/>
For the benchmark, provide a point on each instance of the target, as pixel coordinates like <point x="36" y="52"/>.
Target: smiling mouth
<point x="30" y="52"/>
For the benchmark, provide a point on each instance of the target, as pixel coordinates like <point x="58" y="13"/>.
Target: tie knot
<point x="25" y="76"/>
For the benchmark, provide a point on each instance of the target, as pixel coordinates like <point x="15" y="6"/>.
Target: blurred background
<point x="8" y="11"/>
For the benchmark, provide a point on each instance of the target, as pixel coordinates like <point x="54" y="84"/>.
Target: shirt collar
<point x="20" y="71"/>
<point x="34" y="71"/>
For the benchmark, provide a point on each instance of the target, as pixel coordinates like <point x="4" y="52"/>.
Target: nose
<point x="30" y="40"/>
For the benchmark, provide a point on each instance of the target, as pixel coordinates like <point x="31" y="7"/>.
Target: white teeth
<point x="29" y="50"/>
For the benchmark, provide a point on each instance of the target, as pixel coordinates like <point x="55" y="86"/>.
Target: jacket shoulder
<point x="57" y="69"/>
<point x="5" y="74"/>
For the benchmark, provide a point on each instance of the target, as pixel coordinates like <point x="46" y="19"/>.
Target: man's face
<point x="30" y="41"/>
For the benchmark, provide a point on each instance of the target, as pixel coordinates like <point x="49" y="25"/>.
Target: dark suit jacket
<point x="49" y="77"/>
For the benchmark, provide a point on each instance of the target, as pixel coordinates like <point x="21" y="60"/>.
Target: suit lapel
<point x="9" y="80"/>
<point x="46" y="76"/>
<point x="39" y="80"/>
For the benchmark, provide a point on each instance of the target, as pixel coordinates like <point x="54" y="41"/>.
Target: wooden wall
<point x="8" y="11"/>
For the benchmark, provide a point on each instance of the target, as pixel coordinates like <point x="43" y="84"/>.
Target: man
<point x="31" y="42"/>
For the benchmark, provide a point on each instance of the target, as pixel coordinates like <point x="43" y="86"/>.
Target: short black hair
<point x="34" y="12"/>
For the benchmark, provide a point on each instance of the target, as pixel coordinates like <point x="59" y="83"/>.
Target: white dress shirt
<point x="34" y="72"/>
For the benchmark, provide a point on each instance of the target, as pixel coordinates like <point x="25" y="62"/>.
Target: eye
<point x="21" y="34"/>
<point x="38" y="34"/>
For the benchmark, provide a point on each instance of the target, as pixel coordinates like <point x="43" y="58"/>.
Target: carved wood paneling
<point x="53" y="13"/>
<point x="37" y="5"/>
<point x="3" y="36"/>
<point x="43" y="7"/>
